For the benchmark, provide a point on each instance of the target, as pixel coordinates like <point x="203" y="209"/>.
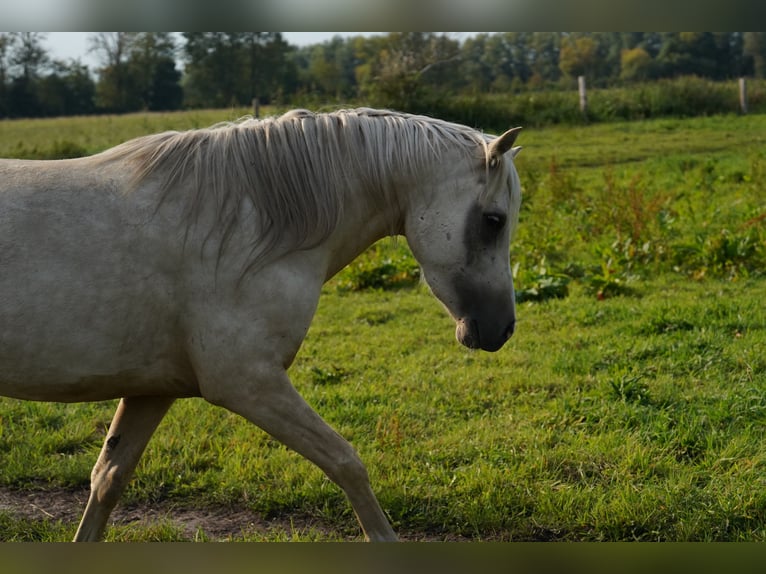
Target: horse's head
<point x="460" y="234"/>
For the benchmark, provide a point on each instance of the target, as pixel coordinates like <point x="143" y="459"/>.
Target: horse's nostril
<point x="510" y="329"/>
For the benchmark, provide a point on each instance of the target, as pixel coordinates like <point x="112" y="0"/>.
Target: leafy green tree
<point x="702" y="54"/>
<point x="331" y="68"/>
<point x="67" y="90"/>
<point x="694" y="53"/>
<point x="411" y="70"/>
<point x="28" y="58"/>
<point x="116" y="90"/>
<point x="231" y="68"/>
<point x="578" y="56"/>
<point x="28" y="54"/>
<point x="152" y="67"/>
<point x="754" y="48"/>
<point x="479" y="73"/>
<point x="6" y="41"/>
<point x="544" y="58"/>
<point x="367" y="52"/>
<point x="635" y="64"/>
<point x="271" y="71"/>
<point x="508" y="56"/>
<point x="214" y="65"/>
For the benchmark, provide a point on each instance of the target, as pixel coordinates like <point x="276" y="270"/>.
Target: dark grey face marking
<point x="112" y="442"/>
<point x="486" y="313"/>
<point x="482" y="231"/>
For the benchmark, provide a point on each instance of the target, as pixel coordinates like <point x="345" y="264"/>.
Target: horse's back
<point x="88" y="286"/>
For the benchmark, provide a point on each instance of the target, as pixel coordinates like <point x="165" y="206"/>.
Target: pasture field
<point x="629" y="405"/>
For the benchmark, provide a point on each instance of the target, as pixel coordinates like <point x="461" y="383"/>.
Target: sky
<point x="74" y="45"/>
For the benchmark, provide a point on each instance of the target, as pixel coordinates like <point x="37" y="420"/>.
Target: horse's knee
<point x="348" y="470"/>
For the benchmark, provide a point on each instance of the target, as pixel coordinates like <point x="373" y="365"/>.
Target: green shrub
<point x="723" y="254"/>
<point x="537" y="283"/>
<point x="386" y="265"/>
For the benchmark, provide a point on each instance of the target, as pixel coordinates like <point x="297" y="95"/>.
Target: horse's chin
<point x="467" y="333"/>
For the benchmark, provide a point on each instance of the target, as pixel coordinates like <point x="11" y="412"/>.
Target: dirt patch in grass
<point x="217" y="523"/>
<point x="220" y="523"/>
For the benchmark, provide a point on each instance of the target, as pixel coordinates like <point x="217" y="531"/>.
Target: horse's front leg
<point x="242" y="343"/>
<point x="132" y="426"/>
<point x="278" y="409"/>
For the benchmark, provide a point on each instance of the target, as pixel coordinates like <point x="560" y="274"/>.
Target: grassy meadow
<point x="629" y="405"/>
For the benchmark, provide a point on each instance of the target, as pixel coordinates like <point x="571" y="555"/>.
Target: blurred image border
<point x="380" y="15"/>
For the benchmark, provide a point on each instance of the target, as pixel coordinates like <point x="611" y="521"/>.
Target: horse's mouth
<point x="467" y="332"/>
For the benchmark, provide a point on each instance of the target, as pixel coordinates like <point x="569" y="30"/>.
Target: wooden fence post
<point x="743" y="95"/>
<point x="583" y="95"/>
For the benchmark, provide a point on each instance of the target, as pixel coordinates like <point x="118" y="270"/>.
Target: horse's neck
<point x="363" y="223"/>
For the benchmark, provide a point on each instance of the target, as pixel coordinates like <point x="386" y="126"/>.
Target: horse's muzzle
<point x="469" y="333"/>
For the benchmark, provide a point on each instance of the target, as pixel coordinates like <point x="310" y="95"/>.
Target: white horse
<point x="189" y="264"/>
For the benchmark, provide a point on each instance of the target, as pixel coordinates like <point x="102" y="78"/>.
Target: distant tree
<point x="635" y="64"/>
<point x="544" y="57"/>
<point x="702" y="54"/>
<point x="609" y="48"/>
<point x="739" y="64"/>
<point x="410" y="70"/>
<point x="166" y="91"/>
<point x="578" y="56"/>
<point x="692" y="53"/>
<point x="116" y="90"/>
<point x="267" y="65"/>
<point x="152" y="68"/>
<point x="214" y="64"/>
<point x="27" y="59"/>
<point x="6" y="42"/>
<point x="28" y="54"/>
<point x="651" y="42"/>
<point x="230" y="68"/>
<point x="331" y="67"/>
<point x="67" y="90"/>
<point x="474" y="67"/>
<point x="138" y="71"/>
<point x="367" y="53"/>
<point x="507" y="55"/>
<point x="754" y="48"/>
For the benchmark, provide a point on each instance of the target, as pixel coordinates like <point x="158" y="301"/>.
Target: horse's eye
<point x="495" y="221"/>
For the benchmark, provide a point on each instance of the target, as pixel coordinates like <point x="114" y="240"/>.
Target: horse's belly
<point x="76" y="360"/>
<point x="97" y="387"/>
<point x="59" y="353"/>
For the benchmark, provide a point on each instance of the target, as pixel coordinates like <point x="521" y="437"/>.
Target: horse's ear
<point x="504" y="143"/>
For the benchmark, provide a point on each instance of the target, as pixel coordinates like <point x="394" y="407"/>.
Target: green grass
<point x="631" y="418"/>
<point x="629" y="406"/>
<point x="85" y="135"/>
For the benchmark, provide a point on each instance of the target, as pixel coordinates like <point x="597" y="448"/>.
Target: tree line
<point x="165" y="71"/>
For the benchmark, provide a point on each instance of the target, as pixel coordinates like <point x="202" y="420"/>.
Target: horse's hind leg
<point x="132" y="427"/>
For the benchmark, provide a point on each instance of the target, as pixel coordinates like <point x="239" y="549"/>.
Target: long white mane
<point x="294" y="170"/>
